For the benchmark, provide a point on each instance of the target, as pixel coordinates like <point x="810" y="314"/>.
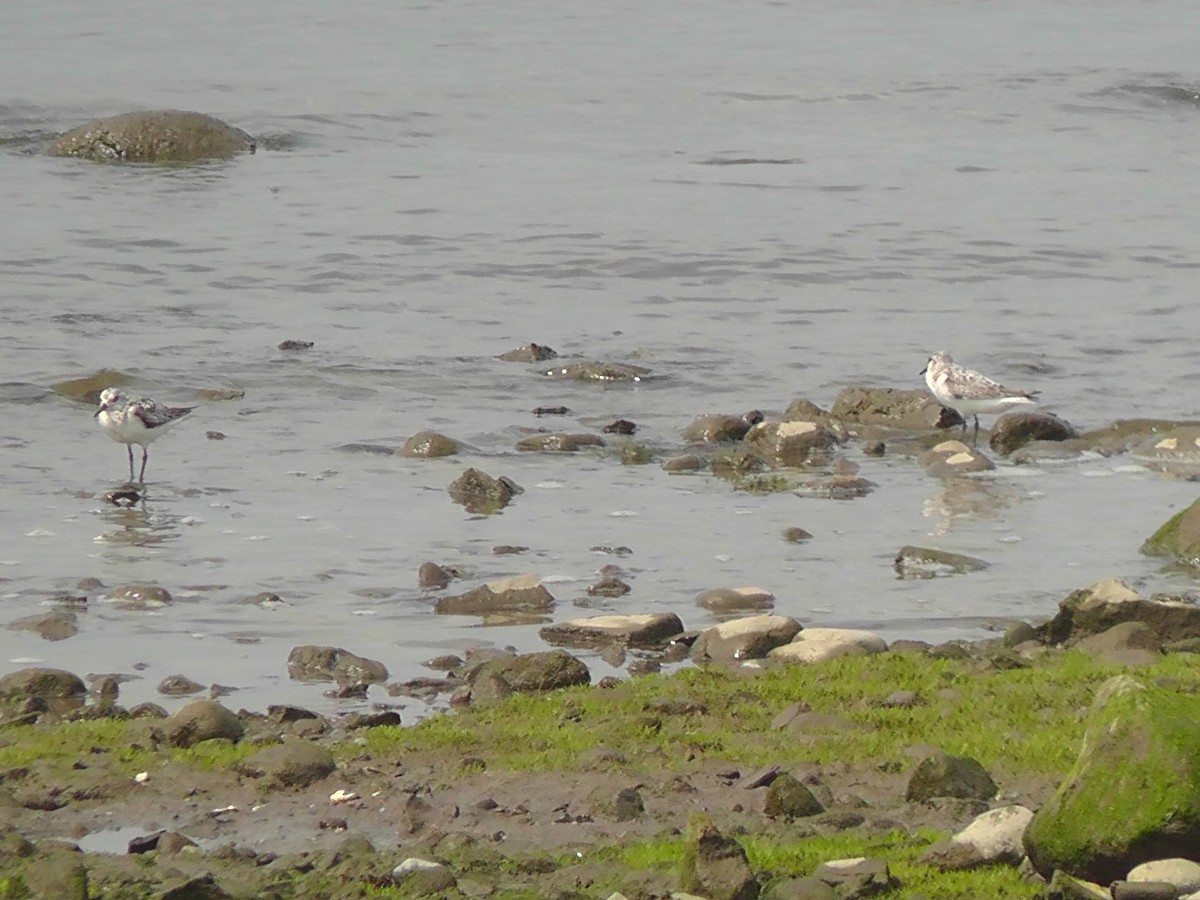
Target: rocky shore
<point x="1057" y="760"/>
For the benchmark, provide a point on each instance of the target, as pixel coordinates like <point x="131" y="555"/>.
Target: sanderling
<point x="136" y="421"/>
<point x="969" y="393"/>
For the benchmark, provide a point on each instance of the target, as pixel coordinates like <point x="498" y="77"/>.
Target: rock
<point x="597" y="371"/>
<point x="628" y="805"/>
<point x="309" y="662"/>
<point x="859" y="877"/>
<point x="714" y="866"/>
<point x="1178" y="538"/>
<point x="1124" y="434"/>
<point x="634" y="454"/>
<point x="550" y="411"/>
<point x="424" y="878"/>
<point x="1063" y="887"/>
<point x="429" y="445"/>
<point x="532" y="672"/>
<point x="943" y="775"/>
<point x="629" y="631"/>
<point x="201" y="720"/>
<point x="752" y="637"/>
<point x="1127" y="644"/>
<point x="154" y="136"/>
<point x="529" y="353"/>
<point x="620" y="426"/>
<point x="1143" y="890"/>
<point x="835" y="487"/>
<point x="292" y="344"/>
<point x="87" y="389"/>
<point x="609" y="586"/>
<point x="294" y="764"/>
<point x="479" y="492"/>
<point x="1015" y="430"/>
<point x="179" y="686"/>
<point x="1177" y="452"/>
<point x="789" y="798"/>
<point x="56" y="625"/>
<point x="198" y="887"/>
<point x="952" y="458"/>
<point x="60" y="874"/>
<point x="738" y="463"/>
<point x="1110" y="602"/>
<point x="1183" y="874"/>
<point x="560" y="443"/>
<point x="923" y="562"/>
<point x="524" y="593"/>
<point x="800" y="889"/>
<point x="717" y="429"/>
<point x="140" y="596"/>
<point x="992" y="838"/>
<point x="687" y="463"/>
<point x="791" y="443"/>
<point x="44" y="684"/>
<point x="815" y="645"/>
<point x="1133" y="794"/>
<point x="728" y="601"/>
<point x="794" y="535"/>
<point x="431" y="575"/>
<point x="899" y="409"/>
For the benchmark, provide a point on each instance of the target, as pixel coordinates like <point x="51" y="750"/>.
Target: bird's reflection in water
<point x="134" y="521"/>
<point x="966" y="498"/>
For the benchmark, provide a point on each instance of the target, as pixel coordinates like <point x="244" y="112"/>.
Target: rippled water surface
<point x="757" y="202"/>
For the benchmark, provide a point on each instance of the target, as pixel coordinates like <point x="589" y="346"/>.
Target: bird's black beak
<point x="922" y="372"/>
<point x="96" y="414"/>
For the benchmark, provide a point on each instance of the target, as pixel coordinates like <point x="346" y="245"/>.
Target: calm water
<point x="757" y="202"/>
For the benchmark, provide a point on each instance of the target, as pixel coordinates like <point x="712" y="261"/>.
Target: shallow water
<point x="757" y="203"/>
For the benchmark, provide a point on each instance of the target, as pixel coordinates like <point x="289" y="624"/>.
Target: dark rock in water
<point x="56" y="625"/>
<point x="1176" y="453"/>
<point x="902" y="410"/>
<point x="140" y="596"/>
<point x="126" y="495"/>
<point x="550" y="411"/>
<point x="648" y="630"/>
<point x="294" y="764"/>
<point x="725" y="601"/>
<point x="948" y="418"/>
<point x="429" y="445"/>
<point x="795" y="535"/>
<point x="943" y="775"/>
<point x="714" y="866"/>
<point x="201" y="720"/>
<point x="1124" y="434"/>
<point x="738" y="463"/>
<point x="311" y="663"/>
<point x="547" y="670"/>
<point x="634" y="454"/>
<point x="1096" y="609"/>
<point x="529" y="353"/>
<point x="508" y="550"/>
<point x="479" y="492"/>
<point x="524" y="593"/>
<point x="1178" y="537"/>
<point x="155" y="136"/>
<point x="795" y="443"/>
<point x="609" y="586"/>
<point x="718" y="429"/>
<point x="923" y="562"/>
<point x="179" y="686"/>
<point x="687" y="463"/>
<point x="295" y="345"/>
<point x="431" y="575"/>
<point x="1015" y="430"/>
<point x="835" y="487"/>
<point x="597" y="371"/>
<point x="620" y="426"/>
<point x="43" y="683"/>
<point x="87" y="389"/>
<point x="1133" y="795"/>
<point x="561" y="443"/>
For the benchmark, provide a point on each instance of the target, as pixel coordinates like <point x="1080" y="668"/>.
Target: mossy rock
<point x="1179" y="537"/>
<point x="154" y="136"/>
<point x="1134" y="792"/>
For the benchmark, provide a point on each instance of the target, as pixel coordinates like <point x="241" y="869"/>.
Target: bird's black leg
<point x="142" y="477"/>
<point x="129" y="447"/>
<point x="975" y="440"/>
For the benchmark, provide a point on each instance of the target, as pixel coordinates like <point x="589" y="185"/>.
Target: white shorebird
<point x="970" y="393"/>
<point x="136" y="420"/>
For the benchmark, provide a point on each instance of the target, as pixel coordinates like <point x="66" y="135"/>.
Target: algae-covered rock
<point x="428" y="445"/>
<point x="294" y="764"/>
<point x="1176" y="453"/>
<point x="559" y="442"/>
<point x="524" y="593"/>
<point x="1123" y="434"/>
<point x="1133" y="794"/>
<point x="1178" y="537"/>
<point x="925" y="562"/>
<point x="798" y="443"/>
<point x="43" y="683"/>
<point x="154" y="136"/>
<point x="88" y="388"/>
<point x="943" y="775"/>
<point x="714" y="866"/>
<point x="899" y="409"/>
<point x="201" y="720"/>
<point x="789" y="798"/>
<point x="1096" y="609"/>
<point x="479" y="492"/>
<point x="720" y="428"/>
<point x="309" y="662"/>
<point x="532" y="672"/>
<point x="1015" y="430"/>
<point x="597" y="371"/>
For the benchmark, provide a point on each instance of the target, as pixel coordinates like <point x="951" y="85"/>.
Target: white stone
<point x="996" y="834"/>
<point x="813" y="645"/>
<point x="414" y="864"/>
<point x="1183" y="873"/>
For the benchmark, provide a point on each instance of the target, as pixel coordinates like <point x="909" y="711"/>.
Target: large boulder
<point x="201" y="720"/>
<point x="521" y="593"/>
<point x="312" y="663"/>
<point x="1178" y="537"/>
<point x="154" y="136"/>
<point x="752" y="637"/>
<point x="943" y="775"/>
<point x="533" y="672"/>
<point x="1110" y="602"/>
<point x="293" y="764"/>
<point x="42" y="683"/>
<point x="891" y="407"/>
<point x="798" y="443"/>
<point x="713" y="865"/>
<point x="1134" y="792"/>
<point x="1015" y="430"/>
<point x="646" y="630"/>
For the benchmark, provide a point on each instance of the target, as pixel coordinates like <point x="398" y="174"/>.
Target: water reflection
<point x="133" y="521"/>
<point x="966" y="498"/>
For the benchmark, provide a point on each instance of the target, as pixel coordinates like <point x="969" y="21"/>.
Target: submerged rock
<point x="1134" y="792"/>
<point x="924" y="562"/>
<point x="651" y="630"/>
<point x="597" y="371"/>
<point x="796" y="443"/>
<point x="1124" y="434"/>
<point x="479" y="492"/>
<point x="1015" y="430"/>
<point x="729" y="601"/>
<point x="561" y="443"/>
<point x="902" y="410"/>
<point x="154" y="136"/>
<point x="312" y="663"/>
<point x="429" y="445"/>
<point x="524" y="593"/>
<point x="720" y="428"/>
<point x="1178" y="537"/>
<point x="529" y="353"/>
<point x="951" y="458"/>
<point x="56" y="625"/>
<point x="1176" y="453"/>
<point x="88" y="388"/>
